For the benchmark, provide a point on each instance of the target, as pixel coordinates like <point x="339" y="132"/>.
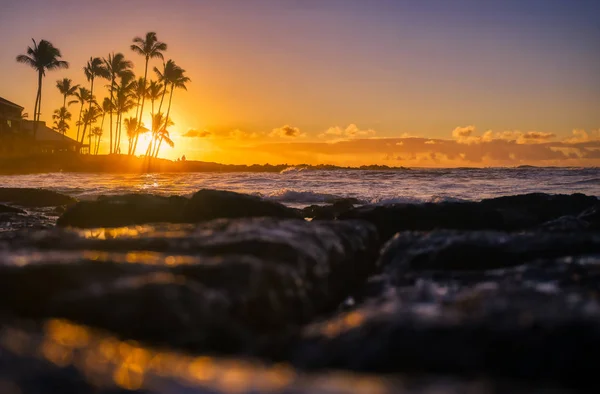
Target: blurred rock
<point x="26" y="197"/>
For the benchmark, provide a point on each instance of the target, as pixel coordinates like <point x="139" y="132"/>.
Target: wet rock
<point x="592" y="216"/>
<point x="124" y="210"/>
<point x="528" y="210"/>
<point x="393" y="218"/>
<point x="482" y="250"/>
<point x="221" y="286"/>
<point x="538" y="322"/>
<point x="26" y="197"/>
<point x="7" y="209"/>
<point x="215" y="204"/>
<point x="329" y="212"/>
<point x="564" y="224"/>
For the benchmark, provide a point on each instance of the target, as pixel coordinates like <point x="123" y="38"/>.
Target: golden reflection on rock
<point x="105" y="360"/>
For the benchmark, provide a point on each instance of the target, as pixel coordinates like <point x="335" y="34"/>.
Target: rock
<point x="220" y="286"/>
<point x="481" y="250"/>
<point x="537" y="323"/>
<point x="328" y="212"/>
<point x="26" y="197"/>
<point x="216" y="204"/>
<point x="564" y="224"/>
<point x="592" y="217"/>
<point x="7" y="209"/>
<point x="393" y="218"/>
<point x="125" y="210"/>
<point x="528" y="210"/>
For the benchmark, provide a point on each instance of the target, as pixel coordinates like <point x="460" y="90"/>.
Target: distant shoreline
<point x="123" y="164"/>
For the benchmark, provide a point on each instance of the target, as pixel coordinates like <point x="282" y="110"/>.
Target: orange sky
<point x="344" y="82"/>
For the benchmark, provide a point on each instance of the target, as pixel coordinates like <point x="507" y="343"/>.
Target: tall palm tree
<point x="42" y="57"/>
<point x="177" y="81"/>
<point x="67" y="89"/>
<point x="95" y="67"/>
<point x="150" y="48"/>
<point x="117" y="66"/>
<point x="83" y="96"/>
<point x="168" y="72"/>
<point x="124" y="102"/>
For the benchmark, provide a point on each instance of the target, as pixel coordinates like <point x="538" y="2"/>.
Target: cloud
<point x="197" y="134"/>
<point x="242" y="135"/>
<point x="463" y="132"/>
<point x="583" y="136"/>
<point x="287" y="131"/>
<point x="430" y="142"/>
<point x="466" y="135"/>
<point x="352" y="131"/>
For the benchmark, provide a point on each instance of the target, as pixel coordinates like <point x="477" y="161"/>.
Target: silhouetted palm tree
<point x="163" y="135"/>
<point x="159" y="122"/>
<point x="67" y="89"/>
<point x="42" y="57"/>
<point x="168" y="72"/>
<point x="60" y="118"/>
<point x="97" y="134"/>
<point x="117" y="66"/>
<point x="124" y="102"/>
<point x="177" y="81"/>
<point x="150" y="48"/>
<point x="95" y="67"/>
<point x="154" y="93"/>
<point x="83" y="96"/>
<point x="133" y="131"/>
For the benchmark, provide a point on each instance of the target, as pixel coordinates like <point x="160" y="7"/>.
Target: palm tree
<point x="94" y="68"/>
<point x="42" y="57"/>
<point x="133" y="131"/>
<point x="60" y="118"/>
<point x="97" y="134"/>
<point x="124" y="102"/>
<point x="67" y="89"/>
<point x="163" y="135"/>
<point x="164" y="76"/>
<point x="150" y="48"/>
<point x="83" y="96"/>
<point x="154" y="93"/>
<point x="117" y="66"/>
<point x="159" y="122"/>
<point x="177" y="81"/>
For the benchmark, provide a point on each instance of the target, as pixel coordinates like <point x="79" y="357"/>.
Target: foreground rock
<point x="215" y="204"/>
<point x="124" y="210"/>
<point x="25" y="197"/>
<point x="219" y="286"/>
<point x="538" y="322"/>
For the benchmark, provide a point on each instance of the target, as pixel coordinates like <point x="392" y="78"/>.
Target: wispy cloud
<point x="197" y="134"/>
<point x="352" y="131"/>
<point x="287" y="131"/>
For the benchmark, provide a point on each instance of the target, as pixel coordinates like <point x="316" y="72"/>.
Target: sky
<point x="348" y="82"/>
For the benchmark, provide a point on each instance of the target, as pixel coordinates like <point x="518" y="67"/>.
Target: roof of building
<point x="46" y="134"/>
<point x="10" y="103"/>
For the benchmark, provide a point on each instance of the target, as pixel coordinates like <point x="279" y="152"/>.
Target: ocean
<point x="298" y="187"/>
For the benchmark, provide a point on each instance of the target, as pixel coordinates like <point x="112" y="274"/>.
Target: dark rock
<point x="528" y="210"/>
<point x="564" y="224"/>
<point x="329" y="212"/>
<point x="7" y="209"/>
<point x="125" y="210"/>
<point x="592" y="216"/>
<point x="34" y="197"/>
<point x="538" y="322"/>
<point x="393" y="218"/>
<point x="482" y="250"/>
<point x="218" y="286"/>
<point x="216" y="204"/>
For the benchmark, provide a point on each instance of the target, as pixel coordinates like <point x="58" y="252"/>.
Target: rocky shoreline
<point x="500" y="295"/>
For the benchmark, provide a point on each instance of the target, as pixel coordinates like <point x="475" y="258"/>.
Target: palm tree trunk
<point x="79" y="122"/>
<point x="143" y="94"/>
<point x="162" y="97"/>
<point x="89" y="109"/>
<point x="158" y="149"/>
<point x="112" y="84"/>
<point x="38" y="105"/>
